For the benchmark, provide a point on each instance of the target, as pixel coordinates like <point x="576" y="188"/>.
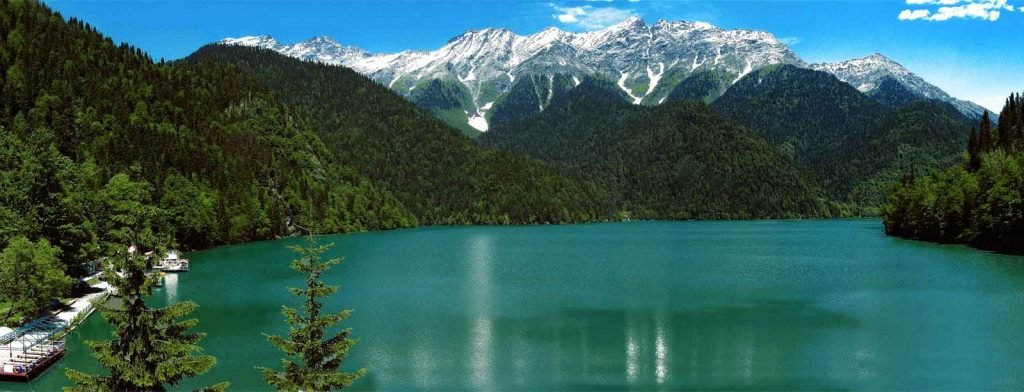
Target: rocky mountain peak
<point x="638" y="56"/>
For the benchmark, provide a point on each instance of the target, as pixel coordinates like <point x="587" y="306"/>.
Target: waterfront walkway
<point x="84" y="304"/>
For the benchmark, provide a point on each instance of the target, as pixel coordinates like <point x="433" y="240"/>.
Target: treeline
<point x="220" y="156"/>
<point x="981" y="202"/>
<point x="441" y="176"/>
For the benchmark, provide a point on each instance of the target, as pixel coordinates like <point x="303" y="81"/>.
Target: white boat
<point x="172" y="263"/>
<point x="177" y="266"/>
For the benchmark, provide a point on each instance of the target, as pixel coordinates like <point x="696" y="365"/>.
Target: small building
<point x="28" y="351"/>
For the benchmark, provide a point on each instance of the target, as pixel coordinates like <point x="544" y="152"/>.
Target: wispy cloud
<point x="943" y="10"/>
<point x="589" y="17"/>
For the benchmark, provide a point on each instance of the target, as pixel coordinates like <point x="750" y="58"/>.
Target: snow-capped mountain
<point x="868" y="73"/>
<point x="487" y="62"/>
<point x="646" y="61"/>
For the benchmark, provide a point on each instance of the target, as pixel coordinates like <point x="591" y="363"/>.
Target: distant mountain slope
<point x="439" y="174"/>
<point x="445" y="99"/>
<point x="876" y="73"/>
<point x="528" y="96"/>
<point x="676" y="161"/>
<point x="703" y="85"/>
<point x="848" y="141"/>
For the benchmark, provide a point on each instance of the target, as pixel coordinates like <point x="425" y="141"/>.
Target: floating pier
<point x="28" y="351"/>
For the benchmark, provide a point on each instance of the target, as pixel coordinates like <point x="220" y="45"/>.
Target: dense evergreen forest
<point x="849" y="143"/>
<point x="441" y="176"/>
<point x="447" y="100"/>
<point x="679" y="160"/>
<point x="84" y="122"/>
<point x="981" y="202"/>
<point x="528" y="96"/>
<point x="704" y="85"/>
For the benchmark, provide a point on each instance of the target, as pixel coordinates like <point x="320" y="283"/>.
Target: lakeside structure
<point x="29" y="350"/>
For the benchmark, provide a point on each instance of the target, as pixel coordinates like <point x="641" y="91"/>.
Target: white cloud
<point x="914" y="15"/>
<point x="943" y="10"/>
<point x="569" y="15"/>
<point x="591" y="18"/>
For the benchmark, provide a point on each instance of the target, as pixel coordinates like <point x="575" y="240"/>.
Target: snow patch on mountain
<point x="479" y="122"/>
<point x="622" y="85"/>
<point x="654" y="78"/>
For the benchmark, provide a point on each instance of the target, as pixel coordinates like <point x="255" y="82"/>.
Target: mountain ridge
<point x="868" y="73"/>
<point x="648" y="61"/>
<point x="488" y="61"/>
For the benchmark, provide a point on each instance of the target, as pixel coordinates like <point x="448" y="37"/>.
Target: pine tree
<point x="1017" y="127"/>
<point x="1007" y="124"/>
<point x="973" y="150"/>
<point x="985" y="142"/>
<point x="312" y="362"/>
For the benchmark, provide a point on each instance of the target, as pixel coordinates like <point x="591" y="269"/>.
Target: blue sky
<point x="973" y="49"/>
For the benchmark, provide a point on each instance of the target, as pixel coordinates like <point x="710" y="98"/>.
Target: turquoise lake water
<point x="639" y="305"/>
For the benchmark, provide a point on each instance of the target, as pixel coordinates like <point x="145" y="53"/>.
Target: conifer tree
<point x="985" y="142"/>
<point x="312" y="363"/>
<point x="1005" y="128"/>
<point x="1014" y="122"/>
<point x="973" y="150"/>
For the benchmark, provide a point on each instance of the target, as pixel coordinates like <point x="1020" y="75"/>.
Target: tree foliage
<point x="440" y="175"/>
<point x="680" y="160"/>
<point x="980" y="203"/>
<point x="448" y="100"/>
<point x="31" y="277"/>
<point x="849" y="143"/>
<point x="226" y="159"/>
<point x="528" y="96"/>
<point x="703" y="85"/>
<point x="313" y="359"/>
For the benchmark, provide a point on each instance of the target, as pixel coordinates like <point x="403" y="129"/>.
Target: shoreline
<point x="81" y="308"/>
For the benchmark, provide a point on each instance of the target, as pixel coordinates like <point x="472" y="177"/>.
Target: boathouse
<point x="28" y="351"/>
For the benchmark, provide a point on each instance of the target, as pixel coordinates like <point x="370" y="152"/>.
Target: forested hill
<point x="680" y="160"/>
<point x="89" y="128"/>
<point x="849" y="143"/>
<point x="442" y="176"/>
<point x="979" y="203"/>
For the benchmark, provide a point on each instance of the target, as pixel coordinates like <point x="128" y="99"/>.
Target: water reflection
<point x="480" y="287"/>
<point x="660" y="351"/>
<point x="721" y="347"/>
<point x="171" y="287"/>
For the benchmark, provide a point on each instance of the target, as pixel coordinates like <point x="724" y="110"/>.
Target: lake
<point x="831" y="304"/>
